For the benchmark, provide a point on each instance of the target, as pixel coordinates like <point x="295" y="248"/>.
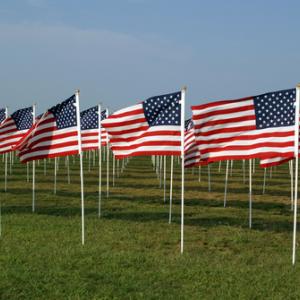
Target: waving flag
<point x="192" y="153"/>
<point x="2" y="114"/>
<point x="149" y="128"/>
<point x="14" y="127"/>
<point x="90" y="129"/>
<point x="254" y="127"/>
<point x="54" y="134"/>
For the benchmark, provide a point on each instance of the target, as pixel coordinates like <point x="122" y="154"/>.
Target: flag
<point x="14" y="127"/>
<point x="2" y="114"/>
<point x="274" y="161"/>
<point x="253" y="127"/>
<point x="54" y="134"/>
<point x="191" y="151"/>
<point x="149" y="128"/>
<point x="90" y="129"/>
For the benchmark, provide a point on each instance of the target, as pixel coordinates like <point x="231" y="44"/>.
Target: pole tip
<point x="77" y="91"/>
<point x="298" y="85"/>
<point x="184" y="88"/>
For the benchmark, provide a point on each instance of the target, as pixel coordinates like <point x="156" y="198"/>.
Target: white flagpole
<point x="220" y="163"/>
<point x="99" y="160"/>
<point x="292" y="183"/>
<point x="160" y="170"/>
<point x="264" y="185"/>
<point x="244" y="175"/>
<point x="296" y="151"/>
<point x="107" y="162"/>
<point x="171" y="190"/>
<point x="114" y="168"/>
<point x="250" y="193"/>
<point x="199" y="179"/>
<point x="68" y="169"/>
<point x="231" y="166"/>
<point x="45" y="166"/>
<point x="208" y="177"/>
<point x="5" y="171"/>
<point x="55" y="173"/>
<point x="81" y="165"/>
<point x="226" y="182"/>
<point x="5" y="167"/>
<point x="183" y="91"/>
<point x="165" y="178"/>
<point x="33" y="165"/>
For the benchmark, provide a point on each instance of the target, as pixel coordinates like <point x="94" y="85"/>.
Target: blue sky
<point x="121" y="52"/>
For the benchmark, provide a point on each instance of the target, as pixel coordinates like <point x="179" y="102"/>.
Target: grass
<point x="132" y="252"/>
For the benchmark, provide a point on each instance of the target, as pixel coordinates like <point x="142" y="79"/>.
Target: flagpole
<point x="296" y="152"/>
<point x="33" y="164"/>
<point x="292" y="183"/>
<point x="68" y="169"/>
<point x="81" y="164"/>
<point x="264" y="185"/>
<point x="199" y="179"/>
<point x="208" y="177"/>
<point x="171" y="189"/>
<point x="250" y="193"/>
<point x="55" y="172"/>
<point x="5" y="163"/>
<point x="114" y="167"/>
<point x="226" y="182"/>
<point x="99" y="160"/>
<point x="165" y="178"/>
<point x="107" y="162"/>
<point x="183" y="91"/>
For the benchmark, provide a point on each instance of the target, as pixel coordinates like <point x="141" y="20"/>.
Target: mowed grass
<point x="131" y="252"/>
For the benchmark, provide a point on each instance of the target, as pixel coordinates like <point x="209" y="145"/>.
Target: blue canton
<point x="275" y="109"/>
<point x="65" y="113"/>
<point x="103" y="115"/>
<point x="2" y="114"/>
<point x="189" y="124"/>
<point x="89" y="118"/>
<point x="163" y="110"/>
<point x="23" y="118"/>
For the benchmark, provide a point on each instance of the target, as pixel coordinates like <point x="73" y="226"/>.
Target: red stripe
<point x="128" y="131"/>
<point x="218" y="103"/>
<point x="247" y="137"/>
<point x="36" y="157"/>
<point x="224" y="112"/>
<point x="53" y="137"/>
<point x="125" y="114"/>
<point x="124" y="123"/>
<point x="146" y="134"/>
<point x="150" y="143"/>
<point x="247" y="147"/>
<point x="226" y="130"/>
<point x="148" y="153"/>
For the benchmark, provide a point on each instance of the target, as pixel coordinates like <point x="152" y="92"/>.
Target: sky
<point x="120" y="52"/>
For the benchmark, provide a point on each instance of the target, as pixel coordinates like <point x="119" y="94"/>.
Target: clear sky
<point x="121" y="52"/>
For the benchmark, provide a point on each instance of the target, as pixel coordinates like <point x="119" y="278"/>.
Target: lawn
<point x="132" y="252"/>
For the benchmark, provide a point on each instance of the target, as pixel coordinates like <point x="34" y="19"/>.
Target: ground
<point x="132" y="252"/>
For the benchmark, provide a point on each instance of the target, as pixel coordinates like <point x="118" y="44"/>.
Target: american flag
<point x="2" y="114"/>
<point x="149" y="128"/>
<point x="14" y="127"/>
<point x="191" y="151"/>
<point x="54" y="134"/>
<point x="90" y="129"/>
<point x="274" y="161"/>
<point x="254" y="127"/>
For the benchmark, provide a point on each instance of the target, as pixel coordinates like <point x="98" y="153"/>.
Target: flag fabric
<point x="55" y="133"/>
<point x="149" y="128"/>
<point x="274" y="161"/>
<point x="191" y="151"/>
<point x="14" y="127"/>
<point x="253" y="127"/>
<point x="2" y="115"/>
<point x="90" y="129"/>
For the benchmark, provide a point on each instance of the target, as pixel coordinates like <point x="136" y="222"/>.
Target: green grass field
<point x="132" y="252"/>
